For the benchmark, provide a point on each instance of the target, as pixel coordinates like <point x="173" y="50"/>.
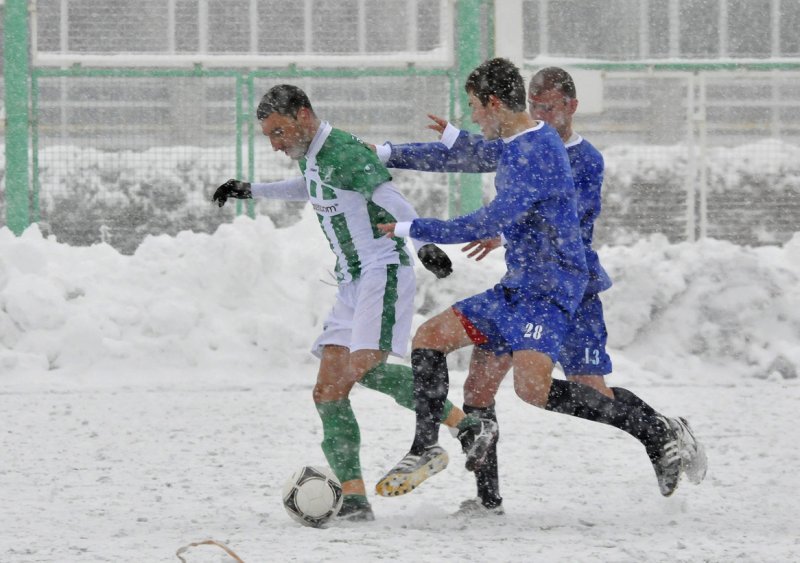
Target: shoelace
<point x="486" y="432"/>
<point x="688" y="443"/>
<point x="689" y="450"/>
<point x="481" y="434"/>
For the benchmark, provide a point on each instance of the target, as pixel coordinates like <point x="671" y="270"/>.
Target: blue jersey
<point x="473" y="153"/>
<point x="587" y="172"/>
<point x="535" y="210"/>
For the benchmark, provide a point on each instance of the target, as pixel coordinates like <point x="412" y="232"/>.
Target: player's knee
<point x="318" y="393"/>
<point x="325" y="392"/>
<point x="428" y="336"/>
<point x="477" y="394"/>
<point x="470" y="394"/>
<point x="532" y="392"/>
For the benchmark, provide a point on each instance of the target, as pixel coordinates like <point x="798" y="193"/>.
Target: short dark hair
<point x="498" y="77"/>
<point x="552" y="78"/>
<point x="284" y="99"/>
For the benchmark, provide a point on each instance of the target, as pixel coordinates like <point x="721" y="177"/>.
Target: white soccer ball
<point x="312" y="496"/>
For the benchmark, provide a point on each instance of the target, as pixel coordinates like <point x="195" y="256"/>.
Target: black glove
<point x="435" y="260"/>
<point x="232" y="188"/>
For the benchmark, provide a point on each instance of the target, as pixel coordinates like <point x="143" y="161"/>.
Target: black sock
<point x="582" y="401"/>
<point x="431" y="384"/>
<point x="487" y="476"/>
<point x="632" y="400"/>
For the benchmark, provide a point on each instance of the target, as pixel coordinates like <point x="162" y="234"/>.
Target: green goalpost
<point x="17" y="93"/>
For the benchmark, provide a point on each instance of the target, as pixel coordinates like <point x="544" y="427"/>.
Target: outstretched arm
<point x="512" y="205"/>
<point x="457" y="151"/>
<point x="293" y="189"/>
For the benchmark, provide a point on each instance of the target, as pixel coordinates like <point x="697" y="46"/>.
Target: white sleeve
<point x="387" y="196"/>
<point x="449" y="135"/>
<point x="293" y="189"/>
<point x="384" y="152"/>
<point x="403" y="229"/>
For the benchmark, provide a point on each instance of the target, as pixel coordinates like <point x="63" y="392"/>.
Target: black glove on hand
<point x="232" y="188"/>
<point x="435" y="260"/>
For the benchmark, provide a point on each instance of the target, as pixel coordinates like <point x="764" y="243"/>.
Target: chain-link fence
<point x="692" y="153"/>
<point x="122" y="149"/>
<point x="122" y="154"/>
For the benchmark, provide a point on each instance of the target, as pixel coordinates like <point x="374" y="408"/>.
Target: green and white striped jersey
<point x="341" y="174"/>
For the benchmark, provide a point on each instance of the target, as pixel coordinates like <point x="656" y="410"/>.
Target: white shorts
<point x="373" y="312"/>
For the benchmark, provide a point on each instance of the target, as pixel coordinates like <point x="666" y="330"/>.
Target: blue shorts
<point x="506" y="320"/>
<point x="581" y="349"/>
<point x="584" y="348"/>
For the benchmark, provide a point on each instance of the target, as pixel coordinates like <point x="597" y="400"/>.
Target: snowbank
<point x="252" y="295"/>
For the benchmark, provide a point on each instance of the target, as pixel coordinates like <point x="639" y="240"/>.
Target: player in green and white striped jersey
<point x="351" y="192"/>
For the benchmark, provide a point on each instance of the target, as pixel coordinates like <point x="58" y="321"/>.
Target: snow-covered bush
<point x="88" y="196"/>
<point x="753" y="192"/>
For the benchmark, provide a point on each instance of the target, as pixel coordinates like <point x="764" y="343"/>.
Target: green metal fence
<point x="696" y="150"/>
<point x="84" y="114"/>
<point x="119" y="154"/>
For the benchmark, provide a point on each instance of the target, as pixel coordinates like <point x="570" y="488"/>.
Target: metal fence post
<point x="691" y="148"/>
<point x="468" y="48"/>
<point x="17" y="92"/>
<point x="702" y="180"/>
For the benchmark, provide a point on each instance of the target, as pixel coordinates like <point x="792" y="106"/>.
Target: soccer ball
<point x="312" y="496"/>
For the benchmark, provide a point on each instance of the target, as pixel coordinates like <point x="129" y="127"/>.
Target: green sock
<point x="468" y="421"/>
<point x="342" y="439"/>
<point x="397" y="381"/>
<point x="356" y="499"/>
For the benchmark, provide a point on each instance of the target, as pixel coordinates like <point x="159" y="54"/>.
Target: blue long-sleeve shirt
<point x="473" y="153"/>
<point x="535" y="210"/>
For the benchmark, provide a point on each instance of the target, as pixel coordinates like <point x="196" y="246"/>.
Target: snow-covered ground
<point x="153" y="400"/>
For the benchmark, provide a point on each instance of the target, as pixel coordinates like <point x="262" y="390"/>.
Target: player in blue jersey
<point x="552" y="98"/>
<point x="530" y="312"/>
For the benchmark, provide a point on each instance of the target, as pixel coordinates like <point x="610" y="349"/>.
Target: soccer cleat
<point x="355" y="509"/>
<point x="476" y="438"/>
<point x="411" y="471"/>
<point x="474" y="508"/>
<point x="666" y="460"/>
<point x="693" y="454"/>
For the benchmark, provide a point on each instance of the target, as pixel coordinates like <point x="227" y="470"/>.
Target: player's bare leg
<point x="596" y="382"/>
<point x="532" y="376"/>
<point x="486" y="372"/>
